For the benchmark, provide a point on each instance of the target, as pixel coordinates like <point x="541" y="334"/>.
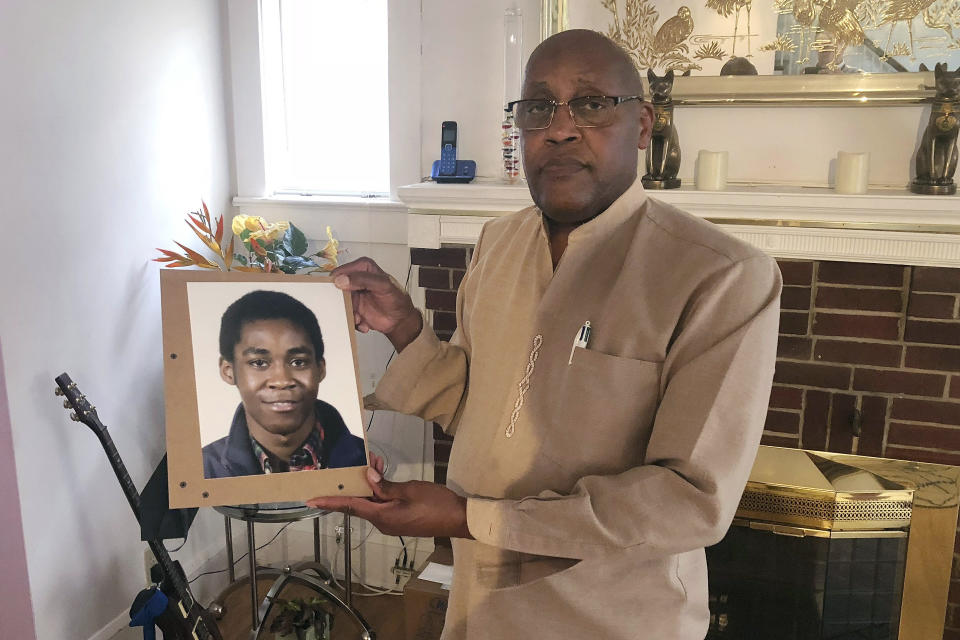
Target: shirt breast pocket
<point x="603" y="411"/>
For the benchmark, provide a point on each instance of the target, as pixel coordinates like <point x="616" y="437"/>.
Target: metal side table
<point x="285" y="512"/>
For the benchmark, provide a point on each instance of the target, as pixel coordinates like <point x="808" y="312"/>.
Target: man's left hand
<point x="414" y="508"/>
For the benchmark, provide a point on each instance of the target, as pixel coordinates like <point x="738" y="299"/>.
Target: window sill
<point x="352" y="218"/>
<point x="323" y="202"/>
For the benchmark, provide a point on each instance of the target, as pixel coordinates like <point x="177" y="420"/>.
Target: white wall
<point x="113" y="127"/>
<point x="462" y="75"/>
<point x="462" y="80"/>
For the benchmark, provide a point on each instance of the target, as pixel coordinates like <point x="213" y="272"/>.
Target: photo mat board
<point x="200" y="405"/>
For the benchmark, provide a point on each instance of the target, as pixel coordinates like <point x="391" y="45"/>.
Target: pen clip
<point x="582" y="339"/>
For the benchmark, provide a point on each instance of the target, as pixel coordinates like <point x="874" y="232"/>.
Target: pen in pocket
<point x="581" y="340"/>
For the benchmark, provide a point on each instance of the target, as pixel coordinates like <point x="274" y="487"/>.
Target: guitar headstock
<point x="83" y="411"/>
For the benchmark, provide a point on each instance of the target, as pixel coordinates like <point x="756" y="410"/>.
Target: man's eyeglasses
<point x="586" y="111"/>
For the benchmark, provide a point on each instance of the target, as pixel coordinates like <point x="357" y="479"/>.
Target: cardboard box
<point x="425" y="602"/>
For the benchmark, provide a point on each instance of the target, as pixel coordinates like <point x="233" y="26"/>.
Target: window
<point x="326" y="108"/>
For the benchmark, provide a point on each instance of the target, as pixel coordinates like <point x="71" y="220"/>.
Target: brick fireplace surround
<point x="877" y="344"/>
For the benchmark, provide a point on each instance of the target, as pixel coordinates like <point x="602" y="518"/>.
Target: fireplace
<point x="819" y="550"/>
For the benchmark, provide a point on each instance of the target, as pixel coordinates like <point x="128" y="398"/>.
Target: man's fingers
<point x="331" y="504"/>
<point x="377" y="283"/>
<point x="360" y="507"/>
<point x="377" y="462"/>
<point x="381" y="488"/>
<point x="384" y="490"/>
<point x="358" y="265"/>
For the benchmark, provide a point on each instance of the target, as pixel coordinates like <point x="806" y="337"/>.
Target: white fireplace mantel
<point x="884" y="226"/>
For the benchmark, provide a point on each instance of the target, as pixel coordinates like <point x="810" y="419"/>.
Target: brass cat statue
<point x="663" y="152"/>
<point x="936" y="159"/>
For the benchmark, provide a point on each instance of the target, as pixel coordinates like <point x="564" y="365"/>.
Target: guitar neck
<point x="133" y="497"/>
<point x="193" y="625"/>
<point x="120" y="469"/>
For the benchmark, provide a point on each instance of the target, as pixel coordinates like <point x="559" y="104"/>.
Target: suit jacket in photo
<point x="233" y="454"/>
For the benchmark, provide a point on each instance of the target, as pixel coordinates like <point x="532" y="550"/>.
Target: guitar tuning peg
<point x="58" y="391"/>
<point x="66" y="404"/>
<point x="75" y="417"/>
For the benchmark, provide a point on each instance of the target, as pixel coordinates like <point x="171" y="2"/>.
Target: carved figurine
<point x="663" y="152"/>
<point x="936" y="159"/>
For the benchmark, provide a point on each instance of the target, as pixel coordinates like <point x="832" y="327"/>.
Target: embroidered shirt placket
<point x="524" y="384"/>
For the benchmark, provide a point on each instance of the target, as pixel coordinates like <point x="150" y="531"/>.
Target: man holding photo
<point x="606" y="387"/>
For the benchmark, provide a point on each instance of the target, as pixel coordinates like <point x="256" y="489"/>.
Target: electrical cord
<point x="208" y="573"/>
<point x="390" y="359"/>
<point x="375" y="591"/>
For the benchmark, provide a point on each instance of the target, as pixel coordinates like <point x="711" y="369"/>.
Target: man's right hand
<point x="378" y="302"/>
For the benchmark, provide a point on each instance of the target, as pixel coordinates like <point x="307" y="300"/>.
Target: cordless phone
<point x="448" y="168"/>
<point x="448" y="148"/>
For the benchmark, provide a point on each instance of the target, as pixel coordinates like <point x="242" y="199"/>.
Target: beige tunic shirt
<point x="594" y="483"/>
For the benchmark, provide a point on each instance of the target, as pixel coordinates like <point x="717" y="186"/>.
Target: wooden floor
<point x="384" y="614"/>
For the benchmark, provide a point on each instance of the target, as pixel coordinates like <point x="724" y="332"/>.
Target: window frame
<point x="246" y="56"/>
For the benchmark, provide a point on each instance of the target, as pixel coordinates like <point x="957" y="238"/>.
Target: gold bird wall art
<point x="726" y="8"/>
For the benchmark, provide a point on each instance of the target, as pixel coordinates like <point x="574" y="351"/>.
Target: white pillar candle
<point x="712" y="170"/>
<point x="853" y="170"/>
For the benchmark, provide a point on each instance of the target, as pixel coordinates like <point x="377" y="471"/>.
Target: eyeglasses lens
<point x="592" y="111"/>
<point x="588" y="111"/>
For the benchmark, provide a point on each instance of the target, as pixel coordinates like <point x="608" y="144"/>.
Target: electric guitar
<point x="184" y="618"/>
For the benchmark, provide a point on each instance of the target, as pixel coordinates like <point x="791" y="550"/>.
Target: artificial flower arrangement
<point x="301" y="619"/>
<point x="270" y="246"/>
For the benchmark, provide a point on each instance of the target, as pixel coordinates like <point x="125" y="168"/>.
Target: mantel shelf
<point x="882" y="226"/>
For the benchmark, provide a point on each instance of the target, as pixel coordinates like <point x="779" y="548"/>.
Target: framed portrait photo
<point x="261" y="389"/>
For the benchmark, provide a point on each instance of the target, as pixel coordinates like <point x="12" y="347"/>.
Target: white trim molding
<point x="882" y="226"/>
<point x="372" y="220"/>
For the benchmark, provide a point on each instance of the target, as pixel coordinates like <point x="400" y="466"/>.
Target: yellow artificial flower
<point x="260" y="236"/>
<point x="255" y="223"/>
<point x="237" y="225"/>
<point x="329" y="252"/>
<point x="275" y="230"/>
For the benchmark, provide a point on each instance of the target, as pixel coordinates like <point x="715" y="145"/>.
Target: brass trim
<point x="825" y="512"/>
<point x="947" y="229"/>
<point x="827" y="89"/>
<point x="809" y="532"/>
<point x="793" y="487"/>
<point x="889" y="533"/>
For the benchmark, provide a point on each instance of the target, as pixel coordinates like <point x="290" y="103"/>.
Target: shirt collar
<point x="309" y="455"/>
<point x="629" y="202"/>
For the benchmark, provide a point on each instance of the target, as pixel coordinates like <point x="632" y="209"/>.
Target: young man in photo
<point x="271" y="349"/>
